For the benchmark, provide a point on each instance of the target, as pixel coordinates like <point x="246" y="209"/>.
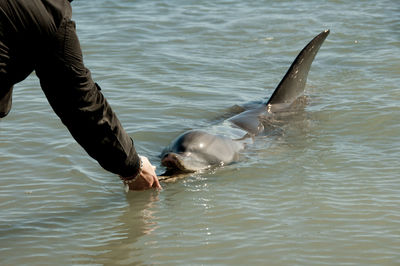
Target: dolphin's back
<point x="289" y="89"/>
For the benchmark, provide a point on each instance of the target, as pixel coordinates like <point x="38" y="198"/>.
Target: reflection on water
<point x="138" y="219"/>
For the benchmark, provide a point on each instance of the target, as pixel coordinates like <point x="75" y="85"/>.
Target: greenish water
<point x="324" y="192"/>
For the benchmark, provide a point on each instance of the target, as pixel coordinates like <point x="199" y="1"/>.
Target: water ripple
<point x="322" y="190"/>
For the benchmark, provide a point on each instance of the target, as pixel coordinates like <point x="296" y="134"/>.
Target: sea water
<point x="323" y="190"/>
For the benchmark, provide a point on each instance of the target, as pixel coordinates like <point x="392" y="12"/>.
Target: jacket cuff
<point x="132" y="164"/>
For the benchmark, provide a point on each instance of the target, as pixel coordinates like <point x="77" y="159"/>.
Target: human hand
<point x="147" y="178"/>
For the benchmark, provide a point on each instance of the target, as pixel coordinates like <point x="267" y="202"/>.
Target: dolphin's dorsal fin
<point x="293" y="83"/>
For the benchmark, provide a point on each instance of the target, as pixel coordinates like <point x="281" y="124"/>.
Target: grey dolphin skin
<point x="197" y="150"/>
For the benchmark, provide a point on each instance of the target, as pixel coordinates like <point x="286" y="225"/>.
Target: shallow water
<point x="324" y="191"/>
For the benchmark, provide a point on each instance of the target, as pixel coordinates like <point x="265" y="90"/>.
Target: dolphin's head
<point x="198" y="150"/>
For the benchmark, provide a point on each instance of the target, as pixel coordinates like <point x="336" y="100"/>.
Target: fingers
<point x="156" y="184"/>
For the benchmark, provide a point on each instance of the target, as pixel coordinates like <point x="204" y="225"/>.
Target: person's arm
<point x="77" y="100"/>
<point x="5" y="100"/>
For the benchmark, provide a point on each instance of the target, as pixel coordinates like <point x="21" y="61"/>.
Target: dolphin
<point x="197" y="150"/>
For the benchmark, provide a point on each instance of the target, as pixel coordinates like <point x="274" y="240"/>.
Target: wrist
<point x="131" y="179"/>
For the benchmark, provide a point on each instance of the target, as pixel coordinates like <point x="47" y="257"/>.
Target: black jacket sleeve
<point x="79" y="103"/>
<point x="40" y="35"/>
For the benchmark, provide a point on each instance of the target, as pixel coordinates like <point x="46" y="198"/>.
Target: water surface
<point x="325" y="191"/>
